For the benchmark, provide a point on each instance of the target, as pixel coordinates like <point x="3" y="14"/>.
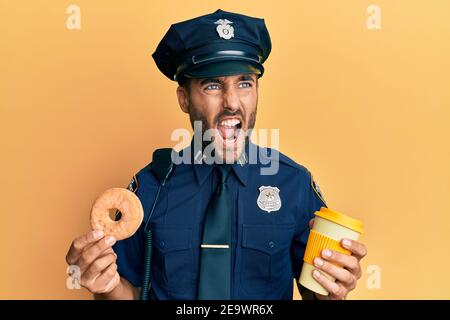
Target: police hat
<point x="217" y="44"/>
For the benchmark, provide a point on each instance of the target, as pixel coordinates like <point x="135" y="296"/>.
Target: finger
<point x="79" y="244"/>
<point x="357" y="248"/>
<point x="97" y="267"/>
<point x="106" y="252"/>
<point x="89" y="255"/>
<point x="311" y="223"/>
<point x="91" y="244"/>
<point x="340" y="274"/>
<point x="349" y="262"/>
<point x="108" y="280"/>
<point x="335" y="290"/>
<point x="111" y="285"/>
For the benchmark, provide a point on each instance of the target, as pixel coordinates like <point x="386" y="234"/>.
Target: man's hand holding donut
<point x="94" y="255"/>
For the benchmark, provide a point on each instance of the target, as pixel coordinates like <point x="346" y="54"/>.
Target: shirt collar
<point x="203" y="170"/>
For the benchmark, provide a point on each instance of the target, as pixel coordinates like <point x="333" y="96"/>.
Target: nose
<point x="231" y="100"/>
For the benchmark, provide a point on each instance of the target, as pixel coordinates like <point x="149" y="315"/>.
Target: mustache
<point x="227" y="113"/>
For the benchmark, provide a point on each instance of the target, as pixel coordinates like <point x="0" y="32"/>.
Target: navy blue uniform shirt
<point x="267" y="247"/>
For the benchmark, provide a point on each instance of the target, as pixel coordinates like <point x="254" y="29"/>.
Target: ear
<point x="183" y="99"/>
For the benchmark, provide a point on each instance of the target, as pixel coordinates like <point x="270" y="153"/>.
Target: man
<point x="221" y="230"/>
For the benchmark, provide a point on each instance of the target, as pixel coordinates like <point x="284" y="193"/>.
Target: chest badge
<point x="224" y="29"/>
<point x="269" y="198"/>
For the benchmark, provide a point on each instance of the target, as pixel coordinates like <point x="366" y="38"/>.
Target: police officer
<point x="221" y="229"/>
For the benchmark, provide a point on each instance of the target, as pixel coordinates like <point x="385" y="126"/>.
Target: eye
<point x="245" y="85"/>
<point x="212" y="87"/>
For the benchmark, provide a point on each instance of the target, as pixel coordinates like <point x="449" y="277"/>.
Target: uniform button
<point x="162" y="244"/>
<point x="271" y="244"/>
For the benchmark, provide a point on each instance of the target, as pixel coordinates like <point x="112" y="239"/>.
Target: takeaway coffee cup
<point x="330" y="227"/>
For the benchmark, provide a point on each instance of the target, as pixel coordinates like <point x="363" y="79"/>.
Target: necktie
<point x="215" y="263"/>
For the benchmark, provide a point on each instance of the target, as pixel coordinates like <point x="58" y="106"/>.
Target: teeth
<point x="230" y="123"/>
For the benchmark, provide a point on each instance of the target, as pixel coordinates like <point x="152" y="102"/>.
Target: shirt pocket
<point x="265" y="258"/>
<point x="174" y="247"/>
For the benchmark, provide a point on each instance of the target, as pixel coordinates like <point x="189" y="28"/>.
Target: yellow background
<point x="367" y="111"/>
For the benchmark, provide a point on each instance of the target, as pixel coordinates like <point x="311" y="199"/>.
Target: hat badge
<point x="224" y="29"/>
<point x="269" y="198"/>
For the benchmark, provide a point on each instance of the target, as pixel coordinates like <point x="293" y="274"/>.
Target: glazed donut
<point x="127" y="203"/>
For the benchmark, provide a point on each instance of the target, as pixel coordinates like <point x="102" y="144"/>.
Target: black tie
<point x="215" y="264"/>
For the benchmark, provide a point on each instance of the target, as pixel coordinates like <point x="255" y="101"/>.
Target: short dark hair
<point x="185" y="83"/>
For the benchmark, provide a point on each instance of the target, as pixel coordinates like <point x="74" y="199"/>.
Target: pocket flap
<point x="172" y="238"/>
<point x="267" y="238"/>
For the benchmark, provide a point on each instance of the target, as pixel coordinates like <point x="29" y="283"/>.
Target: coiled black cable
<point x="146" y="284"/>
<point x="162" y="167"/>
<point x="148" y="239"/>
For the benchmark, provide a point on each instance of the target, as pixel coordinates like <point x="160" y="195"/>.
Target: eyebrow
<point x="210" y="80"/>
<point x="244" y="77"/>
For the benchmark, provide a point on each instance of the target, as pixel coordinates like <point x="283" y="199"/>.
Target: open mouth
<point x="229" y="129"/>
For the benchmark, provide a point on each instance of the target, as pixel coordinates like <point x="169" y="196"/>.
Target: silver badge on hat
<point x="269" y="198"/>
<point x="224" y="29"/>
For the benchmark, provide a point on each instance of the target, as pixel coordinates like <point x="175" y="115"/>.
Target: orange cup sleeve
<point x="317" y="242"/>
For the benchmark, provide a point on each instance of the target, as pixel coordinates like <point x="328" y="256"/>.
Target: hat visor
<point x="222" y="69"/>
